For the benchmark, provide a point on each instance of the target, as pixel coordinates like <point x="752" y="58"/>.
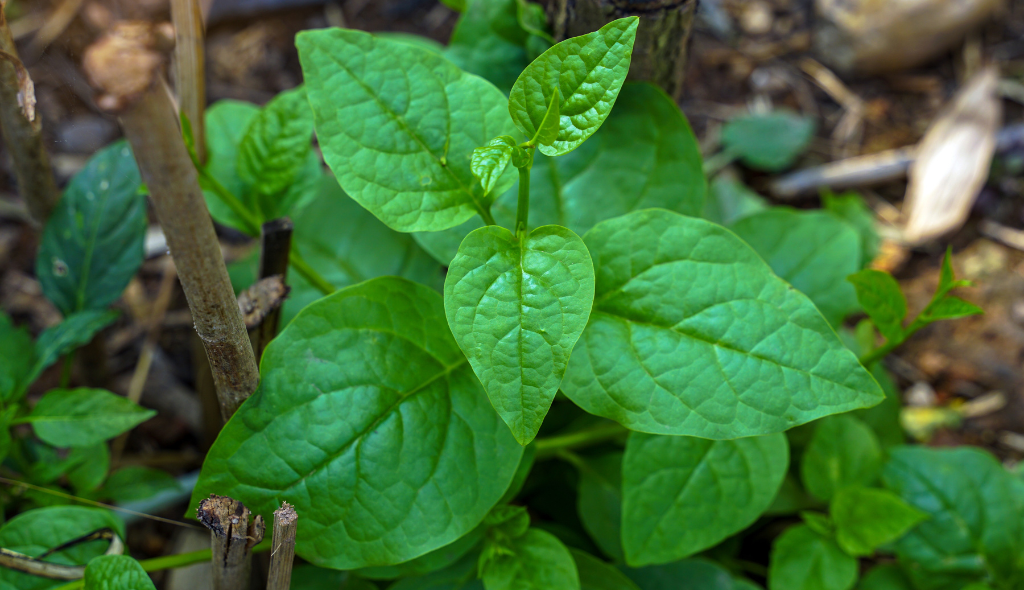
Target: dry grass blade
<point x="953" y="161"/>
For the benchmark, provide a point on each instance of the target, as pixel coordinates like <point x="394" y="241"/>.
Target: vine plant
<point x="605" y="391"/>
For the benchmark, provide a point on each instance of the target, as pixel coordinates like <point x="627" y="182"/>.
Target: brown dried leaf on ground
<point x="953" y="160"/>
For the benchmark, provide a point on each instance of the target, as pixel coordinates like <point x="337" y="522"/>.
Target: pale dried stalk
<point x="232" y="538"/>
<point x="152" y="129"/>
<point x="282" y="548"/>
<point x="190" y="68"/>
<point x="22" y="131"/>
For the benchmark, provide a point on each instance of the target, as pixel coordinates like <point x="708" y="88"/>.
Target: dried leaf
<point x="953" y="160"/>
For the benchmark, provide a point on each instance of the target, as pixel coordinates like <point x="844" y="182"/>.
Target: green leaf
<point x="412" y="39"/>
<point x="456" y="5"/>
<point x="950" y="308"/>
<point x="884" y="419"/>
<point x="131" y="484"/>
<point x="37" y="531"/>
<point x="310" y="577"/>
<point x="791" y="497"/>
<point x="850" y="207"/>
<point x="273" y="152"/>
<point x="885" y="577"/>
<point x="843" y="452"/>
<point x="461" y="575"/>
<point x="516" y="310"/>
<point x="804" y="560"/>
<point x="550" y="125"/>
<point x="598" y="575"/>
<point x="92" y="465"/>
<point x="522" y="472"/>
<point x="976" y="529"/>
<point x="770" y="142"/>
<point x="438" y="559"/>
<point x="587" y="72"/>
<point x="226" y="123"/>
<point x="82" y="417"/>
<point x="116" y="572"/>
<point x="332" y="234"/>
<point x="683" y="494"/>
<point x="510" y="521"/>
<point x="599" y="502"/>
<point x="535" y="561"/>
<point x="819" y="523"/>
<point x="691" y="334"/>
<point x="490" y="42"/>
<point x="382" y="437"/>
<point x="880" y="296"/>
<point x="868" y="518"/>
<point x="489" y="162"/>
<point x="17" y="359"/>
<point x="6" y="417"/>
<point x="94" y="241"/>
<point x="730" y="200"/>
<point x="645" y="155"/>
<point x="811" y="250"/>
<point x="398" y="126"/>
<point x="688" y="574"/>
<point x="76" y="330"/>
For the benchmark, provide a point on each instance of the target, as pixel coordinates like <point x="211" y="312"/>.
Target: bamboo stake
<point x="127" y="69"/>
<point x="282" y="548"/>
<point x="22" y="130"/>
<point x="190" y="68"/>
<point x="232" y="538"/>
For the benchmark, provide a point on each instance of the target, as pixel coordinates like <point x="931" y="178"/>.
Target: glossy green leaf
<point x="332" y="235"/>
<point x="688" y="574"/>
<point x="82" y="417"/>
<point x="885" y="577"/>
<point x="489" y="162"/>
<point x="811" y="250"/>
<point x="437" y="559"/>
<point x="598" y="575"/>
<point x="850" y="207"/>
<point x="226" y="123"/>
<point x="599" y="502"/>
<point x="976" y="527"/>
<point x="76" y="330"/>
<point x="645" y="155"/>
<point x="682" y="495"/>
<point x="273" y="152"/>
<point x="550" y="125"/>
<point x="587" y="72"/>
<point x="37" y="531"/>
<point x="729" y="200"/>
<point x="418" y="41"/>
<point x="461" y="575"/>
<point x="116" y="572"/>
<point x="517" y="309"/>
<point x="92" y="465"/>
<point x="371" y="423"/>
<point x="867" y="518"/>
<point x="490" y="42"/>
<point x="843" y="452"/>
<point x="692" y="334"/>
<point x="804" y="560"/>
<point x="17" y="359"/>
<point x="880" y="296"/>
<point x="537" y="560"/>
<point x="398" y="126"/>
<point x="131" y="484"/>
<point x="770" y="142"/>
<point x="93" y="242"/>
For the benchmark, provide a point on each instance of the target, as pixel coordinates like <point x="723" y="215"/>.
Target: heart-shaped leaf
<point x="587" y="72"/>
<point x="371" y="423"/>
<point x="692" y="334"/>
<point x="398" y="125"/>
<point x="516" y="309"/>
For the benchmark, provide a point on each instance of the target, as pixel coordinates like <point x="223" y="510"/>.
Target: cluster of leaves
<point x="91" y="248"/>
<point x="604" y="308"/>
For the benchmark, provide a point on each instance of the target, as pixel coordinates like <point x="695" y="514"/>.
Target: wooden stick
<point x="22" y="130"/>
<point x="190" y="67"/>
<point x="232" y="538"/>
<point x="282" y="548"/>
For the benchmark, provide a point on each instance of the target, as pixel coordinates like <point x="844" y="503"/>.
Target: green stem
<point x="170" y="562"/>
<point x="553" y="445"/>
<point x="523" y="208"/>
<point x="314" y="278"/>
<point x="487" y="217"/>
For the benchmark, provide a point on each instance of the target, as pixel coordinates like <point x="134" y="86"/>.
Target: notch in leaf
<point x="586" y="73"/>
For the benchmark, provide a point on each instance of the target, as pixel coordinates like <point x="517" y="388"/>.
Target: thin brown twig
<point x="282" y="554"/>
<point x="190" y="68"/>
